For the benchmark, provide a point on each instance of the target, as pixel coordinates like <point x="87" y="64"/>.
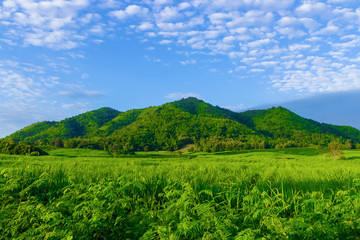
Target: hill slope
<point x="83" y="125"/>
<point x="280" y="123"/>
<point x="188" y="121"/>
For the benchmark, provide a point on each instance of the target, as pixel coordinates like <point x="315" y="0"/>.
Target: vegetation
<point x="173" y="126"/>
<point x="335" y="150"/>
<point x="10" y="147"/>
<point x="294" y="193"/>
<point x="107" y="176"/>
<point x="86" y="124"/>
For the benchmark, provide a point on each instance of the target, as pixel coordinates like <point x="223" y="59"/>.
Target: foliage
<point x="348" y="144"/>
<point x="174" y="125"/>
<point x="281" y="125"/>
<point x="83" y="125"/>
<point x="10" y="147"/>
<point x="272" y="194"/>
<point x="32" y="130"/>
<point x="335" y="150"/>
<point x="58" y="143"/>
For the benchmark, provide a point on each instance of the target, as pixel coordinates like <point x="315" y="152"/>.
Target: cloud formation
<point x="286" y="39"/>
<point x="26" y="95"/>
<point x="56" y="24"/>
<point x="82" y="94"/>
<point x="306" y="47"/>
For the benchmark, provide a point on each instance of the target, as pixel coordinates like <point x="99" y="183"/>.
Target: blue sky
<point x="60" y="58"/>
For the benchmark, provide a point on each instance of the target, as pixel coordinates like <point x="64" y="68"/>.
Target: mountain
<point x="83" y="125"/>
<point x="280" y="123"/>
<point x="174" y="125"/>
<point x="337" y="108"/>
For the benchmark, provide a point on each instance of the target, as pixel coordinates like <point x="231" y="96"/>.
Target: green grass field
<point x="269" y="194"/>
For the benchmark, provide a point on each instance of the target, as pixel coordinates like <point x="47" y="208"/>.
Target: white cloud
<point x="299" y="47"/>
<point x="17" y="86"/>
<point x="15" y="115"/>
<point x="212" y="34"/>
<point x="184" y="5"/>
<point x="27" y="94"/>
<point x="291" y="32"/>
<point x="131" y="10"/>
<point x="168" y="14"/>
<point x="236" y="108"/>
<point x="77" y="94"/>
<point x="348" y="45"/>
<point x="341" y="1"/>
<point x="310" y="24"/>
<point x="259" y="43"/>
<point x="274" y="35"/>
<point x="266" y="64"/>
<point x="165" y="42"/>
<point x="162" y="2"/>
<point x="331" y="29"/>
<point x="288" y="21"/>
<point x="311" y="8"/>
<point x="236" y="54"/>
<point x="220" y="18"/>
<point x="229" y="39"/>
<point x="321" y="77"/>
<point x="252" y="18"/>
<point x="262" y="4"/>
<point x="76" y="106"/>
<point x="257" y="70"/>
<point x="314" y="39"/>
<point x="16" y="83"/>
<point x="180" y="95"/>
<point x="146" y="26"/>
<point x="45" y="23"/>
<point x="97" y="29"/>
<point x="187" y="62"/>
<point x="273" y="4"/>
<point x="171" y="26"/>
<point x="227" y="4"/>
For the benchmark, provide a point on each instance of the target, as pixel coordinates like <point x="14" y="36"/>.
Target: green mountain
<point x="280" y="123"/>
<point x="84" y="125"/>
<point x="174" y="125"/>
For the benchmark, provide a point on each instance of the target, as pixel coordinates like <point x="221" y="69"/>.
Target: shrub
<point x="335" y="150"/>
<point x="35" y="153"/>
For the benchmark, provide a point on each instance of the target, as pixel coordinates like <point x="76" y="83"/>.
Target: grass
<point x="272" y="194"/>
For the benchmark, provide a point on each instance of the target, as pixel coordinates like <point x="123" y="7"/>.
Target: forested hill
<point x="279" y="122"/>
<point x="174" y="125"/>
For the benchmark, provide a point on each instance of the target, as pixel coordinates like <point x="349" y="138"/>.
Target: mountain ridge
<point x="173" y="125"/>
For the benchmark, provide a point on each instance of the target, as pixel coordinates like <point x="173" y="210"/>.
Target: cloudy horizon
<point x="60" y="58"/>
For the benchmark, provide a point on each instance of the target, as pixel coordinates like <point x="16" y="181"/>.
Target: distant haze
<point x="336" y="108"/>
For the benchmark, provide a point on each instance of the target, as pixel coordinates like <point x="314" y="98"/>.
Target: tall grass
<point x="79" y="194"/>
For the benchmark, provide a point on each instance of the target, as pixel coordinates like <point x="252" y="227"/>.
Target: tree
<point x="58" y="143"/>
<point x="348" y="144"/>
<point x="191" y="149"/>
<point x="128" y="148"/>
<point x="335" y="150"/>
<point x="71" y="143"/>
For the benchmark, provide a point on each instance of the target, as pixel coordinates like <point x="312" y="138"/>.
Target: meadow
<point x="266" y="194"/>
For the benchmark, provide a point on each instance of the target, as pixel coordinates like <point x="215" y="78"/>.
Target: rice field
<point x="268" y="194"/>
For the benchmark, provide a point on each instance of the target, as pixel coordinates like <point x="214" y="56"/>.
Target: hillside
<point x="174" y="125"/>
<point x="83" y="125"/>
<point x="280" y="123"/>
<point x="169" y="127"/>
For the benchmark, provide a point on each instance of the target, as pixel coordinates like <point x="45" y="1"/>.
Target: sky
<point x="339" y="108"/>
<point x="59" y="58"/>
